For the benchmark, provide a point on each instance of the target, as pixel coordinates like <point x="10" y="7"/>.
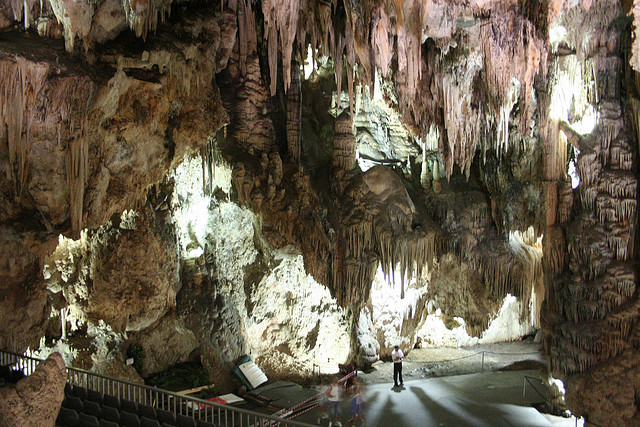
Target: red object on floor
<point x="214" y="400"/>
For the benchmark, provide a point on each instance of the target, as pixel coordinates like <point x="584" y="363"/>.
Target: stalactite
<point x="594" y="301"/>
<point x="21" y="85"/>
<point x="381" y="25"/>
<point x="338" y="53"/>
<point x="618" y="184"/>
<point x="143" y="17"/>
<point x="247" y="38"/>
<point x="588" y="169"/>
<point x="77" y="174"/>
<point x="25" y="94"/>
<point x="210" y="156"/>
<point x="462" y="126"/>
<point x="281" y="28"/>
<point x="350" y="56"/>
<point x="500" y="47"/>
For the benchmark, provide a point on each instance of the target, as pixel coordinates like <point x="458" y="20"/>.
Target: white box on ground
<point x="231" y="398"/>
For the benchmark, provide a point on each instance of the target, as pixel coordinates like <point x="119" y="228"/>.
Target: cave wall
<point x="82" y="144"/>
<point x="183" y="179"/>
<point x="591" y="307"/>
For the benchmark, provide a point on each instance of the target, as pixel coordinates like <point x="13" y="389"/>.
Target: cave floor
<point x="481" y="399"/>
<point x="467" y="386"/>
<point x="447" y="361"/>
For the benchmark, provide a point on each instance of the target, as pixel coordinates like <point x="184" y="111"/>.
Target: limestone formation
<point x="36" y="399"/>
<point x="169" y="332"/>
<point x="172" y="172"/>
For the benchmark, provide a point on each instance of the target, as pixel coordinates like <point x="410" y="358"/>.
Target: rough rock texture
<point x="216" y="181"/>
<point x="170" y="332"/>
<point x="35" y="400"/>
<point x="590" y="268"/>
<point x="23" y="293"/>
<point x="71" y="158"/>
<point x="106" y="276"/>
<point x="128" y="292"/>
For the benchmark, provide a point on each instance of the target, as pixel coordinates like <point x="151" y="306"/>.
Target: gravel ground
<point x="440" y="362"/>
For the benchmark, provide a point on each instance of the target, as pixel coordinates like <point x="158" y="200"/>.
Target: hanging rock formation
<point x="183" y="173"/>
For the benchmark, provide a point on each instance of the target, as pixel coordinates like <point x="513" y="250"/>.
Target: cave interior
<point x="311" y="182"/>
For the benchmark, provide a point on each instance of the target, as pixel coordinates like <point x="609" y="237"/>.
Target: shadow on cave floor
<point x="483" y="385"/>
<point x="481" y="399"/>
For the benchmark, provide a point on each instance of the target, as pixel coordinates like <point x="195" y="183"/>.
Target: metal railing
<point x="484" y="364"/>
<point x="532" y="380"/>
<point x="178" y="404"/>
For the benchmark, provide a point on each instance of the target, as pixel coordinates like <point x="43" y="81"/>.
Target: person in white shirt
<point x="334" y="394"/>
<point x="397" y="355"/>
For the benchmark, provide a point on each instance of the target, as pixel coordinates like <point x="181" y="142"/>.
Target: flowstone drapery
<point x="427" y="151"/>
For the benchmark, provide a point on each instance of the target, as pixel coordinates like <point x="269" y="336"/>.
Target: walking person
<point x="357" y="406"/>
<point x="397" y="355"/>
<point x="334" y="395"/>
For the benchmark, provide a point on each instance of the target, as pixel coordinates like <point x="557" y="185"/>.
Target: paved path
<point x="482" y="399"/>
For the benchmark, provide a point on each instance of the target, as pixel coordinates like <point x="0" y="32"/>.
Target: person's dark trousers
<point x="397" y="373"/>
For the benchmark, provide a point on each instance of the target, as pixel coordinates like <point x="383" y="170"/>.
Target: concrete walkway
<point x="482" y="399"/>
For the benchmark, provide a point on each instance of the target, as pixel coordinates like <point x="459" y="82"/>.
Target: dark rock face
<point x="36" y="399"/>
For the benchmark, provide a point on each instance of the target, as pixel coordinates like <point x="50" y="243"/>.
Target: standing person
<point x="334" y="394"/>
<point x="397" y="355"/>
<point x="357" y="413"/>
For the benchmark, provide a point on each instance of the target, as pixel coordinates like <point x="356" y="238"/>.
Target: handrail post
<point x="177" y="403"/>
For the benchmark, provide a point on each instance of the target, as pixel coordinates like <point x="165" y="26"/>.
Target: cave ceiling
<point x="483" y="147"/>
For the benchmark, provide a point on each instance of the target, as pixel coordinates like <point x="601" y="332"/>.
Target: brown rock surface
<point x="35" y="400"/>
<point x="22" y="292"/>
<point x="91" y="129"/>
<point x="170" y="332"/>
<point x="127" y="291"/>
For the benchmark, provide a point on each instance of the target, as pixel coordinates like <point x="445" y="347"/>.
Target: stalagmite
<point x="344" y="145"/>
<point x="294" y="110"/>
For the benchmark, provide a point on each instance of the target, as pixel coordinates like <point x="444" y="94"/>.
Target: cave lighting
<point x="570" y="94"/>
<point x="128" y="220"/>
<point x="377" y="91"/>
<point x="308" y="65"/>
<point x="191" y="206"/>
<point x="587" y="123"/>
<point x="363" y="164"/>
<point x="195" y="219"/>
<point x="506" y="325"/>
<point x="557" y="33"/>
<point x="573" y="173"/>
<point x="389" y="309"/>
<point x="558" y="384"/>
